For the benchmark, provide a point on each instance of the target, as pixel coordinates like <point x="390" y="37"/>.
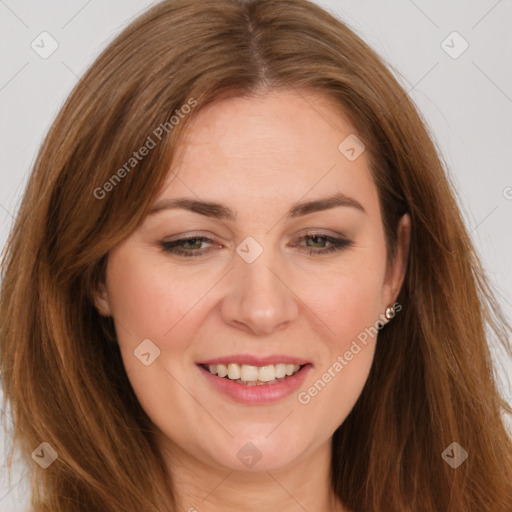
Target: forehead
<point x="275" y="147"/>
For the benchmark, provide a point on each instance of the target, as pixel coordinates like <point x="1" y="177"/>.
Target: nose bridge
<point x="259" y="298"/>
<point x="253" y="268"/>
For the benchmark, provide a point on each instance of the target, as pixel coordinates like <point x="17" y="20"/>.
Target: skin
<point x="259" y="156"/>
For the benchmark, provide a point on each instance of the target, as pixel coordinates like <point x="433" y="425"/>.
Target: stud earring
<point x="390" y="312"/>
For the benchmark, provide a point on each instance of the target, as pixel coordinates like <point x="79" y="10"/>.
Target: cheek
<point x="349" y="298"/>
<point x="148" y="299"/>
<point x="349" y="306"/>
<point x="350" y="312"/>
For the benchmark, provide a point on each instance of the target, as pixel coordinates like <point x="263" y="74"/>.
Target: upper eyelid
<point x="301" y="233"/>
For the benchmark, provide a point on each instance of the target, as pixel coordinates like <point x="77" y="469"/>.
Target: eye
<point x="193" y="246"/>
<point x="186" y="246"/>
<point x="318" y="240"/>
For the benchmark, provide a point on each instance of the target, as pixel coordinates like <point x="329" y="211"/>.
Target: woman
<point x="239" y="280"/>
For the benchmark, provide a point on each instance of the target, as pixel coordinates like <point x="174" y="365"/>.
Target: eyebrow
<point x="223" y="212"/>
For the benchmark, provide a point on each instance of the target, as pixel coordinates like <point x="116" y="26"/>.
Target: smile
<point x="253" y="375"/>
<point x="255" y="385"/>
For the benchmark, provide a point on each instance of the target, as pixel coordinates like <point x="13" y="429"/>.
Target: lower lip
<point x="261" y="394"/>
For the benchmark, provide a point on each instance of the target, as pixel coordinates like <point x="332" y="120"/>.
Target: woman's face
<point x="277" y="272"/>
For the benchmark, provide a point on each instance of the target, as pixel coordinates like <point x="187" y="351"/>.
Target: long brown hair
<point x="432" y="380"/>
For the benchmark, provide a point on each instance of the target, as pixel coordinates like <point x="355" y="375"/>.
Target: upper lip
<point x="255" y="360"/>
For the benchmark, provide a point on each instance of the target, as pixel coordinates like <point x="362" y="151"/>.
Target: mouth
<point x="252" y="375"/>
<point x="255" y="384"/>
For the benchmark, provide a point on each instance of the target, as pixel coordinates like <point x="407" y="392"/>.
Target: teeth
<point x="220" y="369"/>
<point x="256" y="374"/>
<point x="265" y="373"/>
<point x="280" y="370"/>
<point x="249" y="373"/>
<point x="289" y="369"/>
<point x="234" y="372"/>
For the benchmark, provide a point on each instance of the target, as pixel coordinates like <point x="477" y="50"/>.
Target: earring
<point x="390" y="312"/>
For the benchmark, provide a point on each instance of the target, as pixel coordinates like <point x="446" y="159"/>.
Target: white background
<point x="467" y="103"/>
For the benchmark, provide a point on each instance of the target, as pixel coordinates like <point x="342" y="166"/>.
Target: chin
<point x="257" y="454"/>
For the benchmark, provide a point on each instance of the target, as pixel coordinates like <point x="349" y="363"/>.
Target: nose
<point x="259" y="299"/>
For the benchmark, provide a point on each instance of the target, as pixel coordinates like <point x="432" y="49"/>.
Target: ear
<point x="101" y="300"/>
<point x="395" y="272"/>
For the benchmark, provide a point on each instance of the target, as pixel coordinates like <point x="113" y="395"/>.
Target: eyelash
<point x="338" y="244"/>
